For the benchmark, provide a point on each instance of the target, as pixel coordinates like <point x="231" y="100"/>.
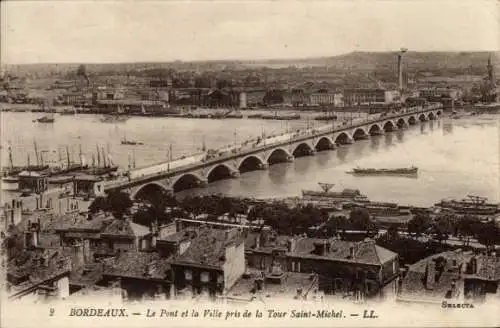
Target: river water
<point x="455" y="157"/>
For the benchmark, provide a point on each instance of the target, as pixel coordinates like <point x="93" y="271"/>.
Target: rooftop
<point x="421" y="281"/>
<point x="366" y="252"/>
<point x="125" y="228"/>
<point x="139" y="265"/>
<point x="35" y="267"/>
<point x="209" y="247"/>
<point x="82" y="223"/>
<point x="294" y="281"/>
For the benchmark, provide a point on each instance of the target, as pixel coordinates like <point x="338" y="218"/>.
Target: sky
<point x="141" y="31"/>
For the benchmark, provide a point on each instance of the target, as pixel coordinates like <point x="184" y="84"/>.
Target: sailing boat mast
<point x="36" y="152"/>
<point x="98" y="156"/>
<point x="67" y="157"/>
<point x="104" y="157"/>
<point x="11" y="162"/>
<point x="28" y="160"/>
<point x="133" y="153"/>
<point x="80" y="155"/>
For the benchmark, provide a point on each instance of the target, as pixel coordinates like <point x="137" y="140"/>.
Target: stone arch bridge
<point x="267" y="152"/>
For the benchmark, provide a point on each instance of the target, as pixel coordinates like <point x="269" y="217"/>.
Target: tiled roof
<point x="365" y="252"/>
<point x="488" y="268"/>
<point x="87" y="275"/>
<point x="244" y="287"/>
<point x="208" y="248"/>
<point x="140" y="265"/>
<point x="29" y="266"/>
<point x="415" y="284"/>
<point x="180" y="236"/>
<point x="124" y="228"/>
<point x="79" y="223"/>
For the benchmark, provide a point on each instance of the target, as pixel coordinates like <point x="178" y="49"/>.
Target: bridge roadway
<point x="167" y="175"/>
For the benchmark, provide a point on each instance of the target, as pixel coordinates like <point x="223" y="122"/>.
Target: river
<point x="455" y="157"/>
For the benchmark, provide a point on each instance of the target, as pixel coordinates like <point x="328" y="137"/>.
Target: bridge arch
<point x="186" y="181"/>
<point x="324" y="143"/>
<point x="401" y="123"/>
<point x="431" y="116"/>
<point x="412" y="120"/>
<point x="375" y="129"/>
<point x="278" y="155"/>
<point x="388" y="126"/>
<point x="150" y="192"/>
<point x="439" y="112"/>
<point x="302" y="149"/>
<point x="359" y="133"/>
<point x="422" y="117"/>
<point x="250" y="163"/>
<point x="219" y="172"/>
<point x="343" y="138"/>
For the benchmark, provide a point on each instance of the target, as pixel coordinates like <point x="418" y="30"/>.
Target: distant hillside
<point x="362" y="61"/>
<point x="412" y="60"/>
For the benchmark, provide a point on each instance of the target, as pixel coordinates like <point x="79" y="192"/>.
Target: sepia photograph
<point x="250" y="163"/>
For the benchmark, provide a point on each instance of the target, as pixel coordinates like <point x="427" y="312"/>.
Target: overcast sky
<point x="125" y="31"/>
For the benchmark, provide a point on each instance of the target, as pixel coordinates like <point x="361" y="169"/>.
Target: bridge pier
<point x="290" y="158"/>
<point x="377" y="133"/>
<point x="264" y="166"/>
<point x="203" y="183"/>
<point x="312" y="152"/>
<point x="235" y="174"/>
<point x="349" y="141"/>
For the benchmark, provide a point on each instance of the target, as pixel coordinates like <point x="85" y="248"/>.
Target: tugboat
<point x="472" y="205"/>
<point x="353" y="195"/>
<point x="45" y="119"/>
<point x="411" y="171"/>
<point x="130" y="142"/>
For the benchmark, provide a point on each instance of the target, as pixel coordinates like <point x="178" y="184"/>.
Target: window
<point x="188" y="275"/>
<point x="205" y="276"/>
<point x="220" y="278"/>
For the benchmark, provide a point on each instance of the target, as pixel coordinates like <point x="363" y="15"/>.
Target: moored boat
<point x="411" y="171"/>
<point x="472" y="205"/>
<point x="352" y="195"/>
<point x="45" y="119"/>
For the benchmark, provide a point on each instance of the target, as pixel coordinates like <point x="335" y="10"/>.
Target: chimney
<point x="78" y="258"/>
<point x="265" y="235"/>
<point x="291" y="244"/>
<point x="257" y="242"/>
<point x="351" y="252"/>
<point x="153" y="228"/>
<point x="430" y="275"/>
<point x="150" y="269"/>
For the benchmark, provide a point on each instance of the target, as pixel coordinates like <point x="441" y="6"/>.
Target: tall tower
<point x="400" y="68"/>
<point x="491" y="75"/>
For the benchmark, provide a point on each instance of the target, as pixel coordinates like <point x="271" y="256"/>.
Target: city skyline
<point x="114" y="32"/>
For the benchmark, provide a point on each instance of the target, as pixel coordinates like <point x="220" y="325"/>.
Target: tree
<point x="419" y="224"/>
<point x="119" y="203"/>
<point x="466" y="228"/>
<point x="99" y="204"/>
<point x="488" y="234"/>
<point x="359" y="219"/>
<point x="442" y="228"/>
<point x="392" y="231"/>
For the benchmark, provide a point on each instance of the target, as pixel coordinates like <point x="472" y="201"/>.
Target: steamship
<point x="472" y="205"/>
<point x="346" y="195"/>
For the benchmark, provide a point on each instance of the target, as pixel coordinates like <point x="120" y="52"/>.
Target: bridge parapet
<point x="196" y="161"/>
